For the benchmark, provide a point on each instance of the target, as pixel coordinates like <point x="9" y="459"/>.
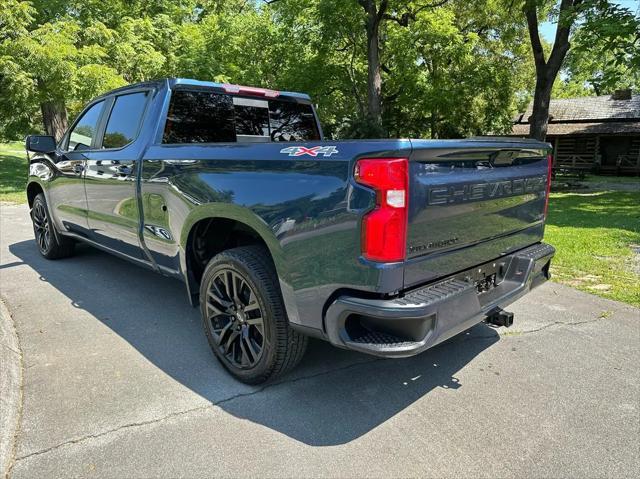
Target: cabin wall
<point x="594" y="153"/>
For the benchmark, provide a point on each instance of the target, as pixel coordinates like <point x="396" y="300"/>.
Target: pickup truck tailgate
<point x="472" y="202"/>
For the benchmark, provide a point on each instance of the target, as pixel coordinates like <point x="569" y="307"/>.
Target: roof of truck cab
<point x="132" y="86"/>
<point x="173" y="82"/>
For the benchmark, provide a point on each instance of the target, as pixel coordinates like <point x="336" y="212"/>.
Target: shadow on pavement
<point x="152" y="314"/>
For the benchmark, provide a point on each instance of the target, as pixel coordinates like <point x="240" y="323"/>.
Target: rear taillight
<point x="549" y="170"/>
<point x="384" y="229"/>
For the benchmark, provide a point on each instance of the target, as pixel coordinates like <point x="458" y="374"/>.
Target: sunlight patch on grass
<point x="594" y="234"/>
<point x="13" y="172"/>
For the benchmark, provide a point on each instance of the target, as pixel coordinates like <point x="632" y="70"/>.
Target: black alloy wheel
<point x="244" y="317"/>
<point x="50" y="243"/>
<point x="41" y="227"/>
<point x="235" y="319"/>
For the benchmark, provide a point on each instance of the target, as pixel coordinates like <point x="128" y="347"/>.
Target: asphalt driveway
<point x="118" y="381"/>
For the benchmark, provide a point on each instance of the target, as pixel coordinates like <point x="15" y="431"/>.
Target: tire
<point x="50" y="243"/>
<point x="244" y="316"/>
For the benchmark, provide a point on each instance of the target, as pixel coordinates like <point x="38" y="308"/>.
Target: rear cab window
<point x="201" y="116"/>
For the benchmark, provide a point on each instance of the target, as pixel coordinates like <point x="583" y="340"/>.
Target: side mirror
<point x="40" y="143"/>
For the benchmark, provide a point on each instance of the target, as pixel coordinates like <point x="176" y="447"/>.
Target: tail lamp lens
<point x="384" y="229"/>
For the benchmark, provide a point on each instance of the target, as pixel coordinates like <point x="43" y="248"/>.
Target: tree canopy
<point x="605" y="54"/>
<point x="427" y="68"/>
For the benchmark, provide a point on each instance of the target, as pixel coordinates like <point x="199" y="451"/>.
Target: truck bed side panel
<point x="307" y="208"/>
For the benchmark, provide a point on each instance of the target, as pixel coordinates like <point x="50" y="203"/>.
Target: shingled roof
<point x="583" y="128"/>
<point x="589" y="109"/>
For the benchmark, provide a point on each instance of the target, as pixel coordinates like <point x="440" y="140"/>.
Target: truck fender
<point x="248" y="218"/>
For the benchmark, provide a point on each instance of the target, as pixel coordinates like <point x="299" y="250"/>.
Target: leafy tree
<point x="14" y="16"/>
<point x="66" y="52"/>
<point x="607" y="28"/>
<point x="457" y="68"/>
<point x="547" y="68"/>
<point x="45" y="67"/>
<point x="323" y="52"/>
<point x="606" y="52"/>
<point x="459" y="78"/>
<point x="376" y="14"/>
<point x="376" y="67"/>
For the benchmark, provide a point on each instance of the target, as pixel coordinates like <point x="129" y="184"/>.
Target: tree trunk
<point x="375" y="15"/>
<point x="432" y="125"/>
<point x="374" y="78"/>
<point x="54" y="117"/>
<point x="540" y="116"/>
<point x="547" y="70"/>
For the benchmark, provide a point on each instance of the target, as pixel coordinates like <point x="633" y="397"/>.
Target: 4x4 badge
<point x="313" y="151"/>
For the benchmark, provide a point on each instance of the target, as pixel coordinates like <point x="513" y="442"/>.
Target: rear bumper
<point x="424" y="317"/>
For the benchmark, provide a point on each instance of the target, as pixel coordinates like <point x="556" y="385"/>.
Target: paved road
<point x="119" y="382"/>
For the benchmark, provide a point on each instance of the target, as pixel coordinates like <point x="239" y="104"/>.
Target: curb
<point x="10" y="389"/>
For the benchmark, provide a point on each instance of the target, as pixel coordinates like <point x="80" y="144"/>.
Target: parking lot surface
<point x="118" y="381"/>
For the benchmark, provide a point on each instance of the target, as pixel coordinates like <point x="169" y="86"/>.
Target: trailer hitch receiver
<point x="500" y="317"/>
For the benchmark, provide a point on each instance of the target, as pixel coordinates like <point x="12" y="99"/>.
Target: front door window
<point x="84" y="131"/>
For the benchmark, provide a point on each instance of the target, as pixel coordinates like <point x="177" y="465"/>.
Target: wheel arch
<point x="222" y="227"/>
<point x="33" y="189"/>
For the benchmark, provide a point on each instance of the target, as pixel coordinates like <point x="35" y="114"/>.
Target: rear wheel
<point x="244" y="317"/>
<point x="50" y="244"/>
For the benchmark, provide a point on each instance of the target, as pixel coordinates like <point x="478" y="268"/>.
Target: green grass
<point x="13" y="172"/>
<point x="612" y="179"/>
<point x="595" y="235"/>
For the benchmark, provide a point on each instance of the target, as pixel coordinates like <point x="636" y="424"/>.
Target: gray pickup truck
<point x="387" y="247"/>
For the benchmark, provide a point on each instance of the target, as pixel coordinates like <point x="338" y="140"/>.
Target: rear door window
<point x="124" y="120"/>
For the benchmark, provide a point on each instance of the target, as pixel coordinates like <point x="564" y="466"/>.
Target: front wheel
<point x="244" y="317"/>
<point x="50" y="244"/>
